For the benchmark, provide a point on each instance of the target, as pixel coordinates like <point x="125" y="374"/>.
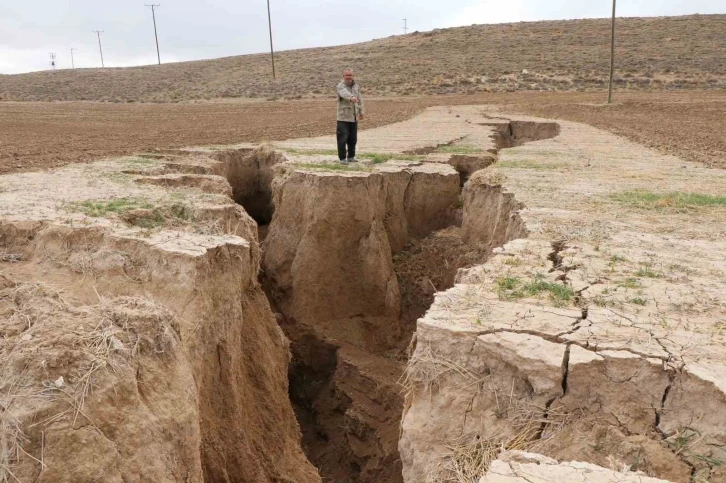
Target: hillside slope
<point x="658" y="52"/>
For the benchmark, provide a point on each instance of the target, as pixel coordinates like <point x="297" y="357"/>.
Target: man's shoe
<point x="343" y="161"/>
<point x="352" y="160"/>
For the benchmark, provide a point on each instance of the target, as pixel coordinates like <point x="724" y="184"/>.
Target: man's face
<point x="348" y="77"/>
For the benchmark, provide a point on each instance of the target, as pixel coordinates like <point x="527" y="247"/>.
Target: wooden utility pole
<point x="98" y="33"/>
<point x="272" y="51"/>
<point x="156" y="36"/>
<point x="612" y="57"/>
<point x="405" y="26"/>
<point x="73" y="63"/>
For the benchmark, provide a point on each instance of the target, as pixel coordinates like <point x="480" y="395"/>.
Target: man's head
<point x="348" y="76"/>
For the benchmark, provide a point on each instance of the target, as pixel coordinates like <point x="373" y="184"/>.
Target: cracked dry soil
<point x="188" y="314"/>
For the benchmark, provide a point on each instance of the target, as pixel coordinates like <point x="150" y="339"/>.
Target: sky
<point x="204" y="29"/>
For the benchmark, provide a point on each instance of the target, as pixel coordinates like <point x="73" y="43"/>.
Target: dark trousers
<point x="347" y="133"/>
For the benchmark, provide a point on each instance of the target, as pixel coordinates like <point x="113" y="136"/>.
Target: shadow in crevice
<point x="512" y="134"/>
<point x="249" y="172"/>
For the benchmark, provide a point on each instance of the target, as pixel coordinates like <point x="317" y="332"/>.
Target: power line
<point x="73" y="63"/>
<point x="272" y="51"/>
<point x="405" y="26"/>
<point x="612" y="57"/>
<point x="98" y="33"/>
<point x="156" y="36"/>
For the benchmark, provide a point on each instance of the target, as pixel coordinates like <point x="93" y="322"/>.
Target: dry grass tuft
<point x="470" y="455"/>
<point x="468" y="458"/>
<point x="102" y="336"/>
<point x="11" y="435"/>
<point x="33" y="302"/>
<point x="425" y="369"/>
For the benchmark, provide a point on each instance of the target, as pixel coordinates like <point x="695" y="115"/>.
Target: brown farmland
<point x="43" y="135"/>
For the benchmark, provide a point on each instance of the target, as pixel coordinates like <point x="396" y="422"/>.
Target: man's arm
<point x="344" y="93"/>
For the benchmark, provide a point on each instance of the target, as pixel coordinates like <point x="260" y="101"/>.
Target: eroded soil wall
<point x="156" y="362"/>
<point x="350" y="262"/>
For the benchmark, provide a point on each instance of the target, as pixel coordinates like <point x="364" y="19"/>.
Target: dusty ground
<point x="611" y="335"/>
<point x="44" y="135"/>
<point x="660" y="52"/>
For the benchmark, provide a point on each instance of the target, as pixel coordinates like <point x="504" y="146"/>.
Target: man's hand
<point x="354" y="100"/>
<point x="361" y="116"/>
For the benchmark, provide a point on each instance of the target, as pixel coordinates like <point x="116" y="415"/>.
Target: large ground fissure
<point x="350" y="262"/>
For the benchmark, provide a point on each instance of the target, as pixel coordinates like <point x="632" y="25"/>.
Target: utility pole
<point x="73" y="63"/>
<point x="98" y="33"/>
<point x="52" y="60"/>
<point x="156" y="36"/>
<point x="612" y="57"/>
<point x="405" y="26"/>
<point x="272" y="51"/>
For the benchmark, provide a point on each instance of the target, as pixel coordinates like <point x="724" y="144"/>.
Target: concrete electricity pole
<point x="98" y="33"/>
<point x="73" y="63"/>
<point x="405" y="26"/>
<point x="272" y="51"/>
<point x="156" y="36"/>
<point x="52" y="60"/>
<point x="612" y="57"/>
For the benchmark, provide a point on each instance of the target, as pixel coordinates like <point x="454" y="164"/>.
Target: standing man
<point x="350" y="111"/>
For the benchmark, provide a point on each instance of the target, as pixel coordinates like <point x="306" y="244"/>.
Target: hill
<point x="659" y="52"/>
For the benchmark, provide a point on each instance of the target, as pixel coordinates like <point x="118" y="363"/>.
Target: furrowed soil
<point x="46" y="135"/>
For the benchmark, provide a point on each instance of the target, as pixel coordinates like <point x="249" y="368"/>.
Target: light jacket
<point x="345" y="106"/>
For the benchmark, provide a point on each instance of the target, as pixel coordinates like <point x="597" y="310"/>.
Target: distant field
<point x="44" y="135"/>
<point x="672" y="53"/>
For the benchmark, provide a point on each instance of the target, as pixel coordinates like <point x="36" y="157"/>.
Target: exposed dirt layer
<point x="592" y="339"/>
<point x="598" y="319"/>
<point x="136" y="342"/>
<point x="353" y="257"/>
<point x="427" y="266"/>
<point x="40" y="135"/>
<point x="657" y="52"/>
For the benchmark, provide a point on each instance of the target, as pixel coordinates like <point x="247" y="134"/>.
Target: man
<point x="350" y="111"/>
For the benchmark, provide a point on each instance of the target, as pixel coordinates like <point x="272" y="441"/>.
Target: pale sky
<point x="196" y="29"/>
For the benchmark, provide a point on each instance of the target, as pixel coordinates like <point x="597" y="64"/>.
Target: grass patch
<point x="647" y="271"/>
<point x="459" y="149"/>
<point x="375" y="158"/>
<point x="638" y="301"/>
<point x="312" y="152"/>
<point x="631" y="282"/>
<point x="675" y="199"/>
<point x="334" y="167"/>
<point x="510" y="288"/>
<point x="558" y="292"/>
<point x="155" y="219"/>
<point x="139" y="161"/>
<point x="533" y="165"/>
<point x="104" y="207"/>
<point x="507" y="283"/>
<point x="378" y="158"/>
